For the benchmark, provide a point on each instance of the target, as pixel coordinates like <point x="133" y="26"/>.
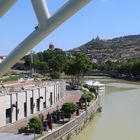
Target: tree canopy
<point x="56" y="61"/>
<point x="131" y="66"/>
<point x="78" y="65"/>
<point x="49" y="61"/>
<point x="69" y="107"/>
<point x="35" y="123"/>
<point x="87" y="96"/>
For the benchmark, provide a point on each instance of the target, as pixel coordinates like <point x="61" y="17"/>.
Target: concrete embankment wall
<point x="74" y="126"/>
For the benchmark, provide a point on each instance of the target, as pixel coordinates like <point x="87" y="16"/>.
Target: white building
<point x="15" y="106"/>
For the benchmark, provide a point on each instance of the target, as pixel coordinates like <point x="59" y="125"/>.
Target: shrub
<point x="68" y="109"/>
<point x="87" y="95"/>
<point x="92" y="89"/>
<point x="86" y="86"/>
<point x="35" y="123"/>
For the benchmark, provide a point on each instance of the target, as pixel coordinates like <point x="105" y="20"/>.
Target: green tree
<point x="42" y="67"/>
<point x="56" y="59"/>
<point x="28" y="61"/>
<point x="136" y="68"/>
<point x="49" y="61"/>
<point x="35" y="123"/>
<point x="68" y="109"/>
<point x="40" y="56"/>
<point x="87" y="96"/>
<point x="82" y="64"/>
<point x="77" y="67"/>
<point x="54" y="75"/>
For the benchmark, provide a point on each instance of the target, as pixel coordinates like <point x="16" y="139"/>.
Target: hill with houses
<point x="102" y="50"/>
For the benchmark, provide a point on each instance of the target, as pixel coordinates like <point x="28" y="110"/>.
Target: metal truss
<point x="46" y="24"/>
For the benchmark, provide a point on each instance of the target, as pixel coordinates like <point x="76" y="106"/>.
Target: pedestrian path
<point x="71" y="96"/>
<point x="10" y="136"/>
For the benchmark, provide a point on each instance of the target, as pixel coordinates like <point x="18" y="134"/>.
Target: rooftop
<point x="12" y="87"/>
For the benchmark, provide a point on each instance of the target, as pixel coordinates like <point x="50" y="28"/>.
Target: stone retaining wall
<point x="73" y="127"/>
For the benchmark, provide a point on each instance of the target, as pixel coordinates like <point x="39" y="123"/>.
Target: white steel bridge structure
<point x="46" y="24"/>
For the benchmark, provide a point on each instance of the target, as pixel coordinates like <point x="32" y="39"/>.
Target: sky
<point x="106" y="18"/>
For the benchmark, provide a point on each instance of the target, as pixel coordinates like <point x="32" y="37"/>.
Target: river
<point x="120" y="117"/>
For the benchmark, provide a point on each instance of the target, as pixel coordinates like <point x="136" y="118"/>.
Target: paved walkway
<point x="71" y="96"/>
<point x="10" y="136"/>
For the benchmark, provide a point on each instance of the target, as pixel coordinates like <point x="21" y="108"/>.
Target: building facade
<point x="15" y="106"/>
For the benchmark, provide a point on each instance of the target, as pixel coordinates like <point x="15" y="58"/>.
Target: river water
<point x="120" y="117"/>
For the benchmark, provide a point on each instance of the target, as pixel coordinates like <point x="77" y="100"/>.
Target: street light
<point x="85" y="100"/>
<point x="32" y="62"/>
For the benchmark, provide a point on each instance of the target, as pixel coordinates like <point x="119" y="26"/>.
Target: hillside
<point x="101" y="50"/>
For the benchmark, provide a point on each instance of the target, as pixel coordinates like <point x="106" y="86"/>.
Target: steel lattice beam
<point x="47" y="24"/>
<point x="5" y="5"/>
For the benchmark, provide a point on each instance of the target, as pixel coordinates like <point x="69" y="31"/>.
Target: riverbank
<point x="119" y="119"/>
<point x="76" y="125"/>
<point x="110" y="77"/>
<point x="114" y="74"/>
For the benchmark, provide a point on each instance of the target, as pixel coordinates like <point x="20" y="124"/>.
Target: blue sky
<point x="106" y="18"/>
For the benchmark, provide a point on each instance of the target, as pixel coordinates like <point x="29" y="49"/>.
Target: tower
<point x="51" y="46"/>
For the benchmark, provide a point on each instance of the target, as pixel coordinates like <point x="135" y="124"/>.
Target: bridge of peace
<point x="20" y="100"/>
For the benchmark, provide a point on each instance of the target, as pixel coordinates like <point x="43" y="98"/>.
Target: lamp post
<point x="57" y="107"/>
<point x="34" y="134"/>
<point x="77" y="110"/>
<point x="85" y="99"/>
<point x="58" y="113"/>
<point x="32" y="62"/>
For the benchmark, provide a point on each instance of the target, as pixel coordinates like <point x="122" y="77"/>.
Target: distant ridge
<point x="102" y="50"/>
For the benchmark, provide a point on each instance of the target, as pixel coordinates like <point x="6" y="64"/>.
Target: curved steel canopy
<point x="47" y="24"/>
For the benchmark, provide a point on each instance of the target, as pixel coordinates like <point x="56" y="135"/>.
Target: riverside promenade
<point x="75" y="125"/>
<point x="71" y="96"/>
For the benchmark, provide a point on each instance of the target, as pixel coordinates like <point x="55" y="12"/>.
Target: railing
<point x="66" y="128"/>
